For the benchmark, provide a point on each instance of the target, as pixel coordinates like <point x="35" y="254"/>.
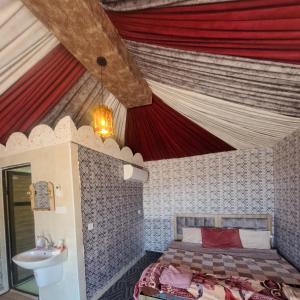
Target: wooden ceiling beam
<point x="86" y="31"/>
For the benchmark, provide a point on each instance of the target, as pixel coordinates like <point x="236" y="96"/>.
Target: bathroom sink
<point x="40" y="258"/>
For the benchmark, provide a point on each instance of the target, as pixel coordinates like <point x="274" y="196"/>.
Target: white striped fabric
<point x="238" y="125"/>
<point x="24" y="41"/>
<point x="260" y="84"/>
<point x="119" y="115"/>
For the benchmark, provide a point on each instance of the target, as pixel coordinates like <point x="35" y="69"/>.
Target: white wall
<point x="55" y="164"/>
<point x="53" y="155"/>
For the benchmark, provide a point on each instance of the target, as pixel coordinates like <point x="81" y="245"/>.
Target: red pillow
<point x="221" y="238"/>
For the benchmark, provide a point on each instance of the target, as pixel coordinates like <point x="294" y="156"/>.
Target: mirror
<point x="42" y="195"/>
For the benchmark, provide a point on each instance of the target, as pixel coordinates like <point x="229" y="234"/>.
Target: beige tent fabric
<point x="267" y="85"/>
<point x="24" y="41"/>
<point x="127" y="5"/>
<point x="229" y="96"/>
<point x="80" y="100"/>
<point x="238" y="125"/>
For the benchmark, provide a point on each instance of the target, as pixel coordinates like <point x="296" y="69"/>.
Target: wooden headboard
<point x="249" y="221"/>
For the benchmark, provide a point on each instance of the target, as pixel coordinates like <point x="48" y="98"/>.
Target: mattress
<point x="251" y="263"/>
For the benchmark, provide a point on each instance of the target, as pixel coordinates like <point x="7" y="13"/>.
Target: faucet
<point x="48" y="242"/>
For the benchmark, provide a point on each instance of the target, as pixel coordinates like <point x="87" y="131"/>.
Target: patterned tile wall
<point x="287" y="197"/>
<point x="227" y="182"/>
<point x="112" y="205"/>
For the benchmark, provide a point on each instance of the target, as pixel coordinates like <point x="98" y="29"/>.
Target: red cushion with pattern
<point x="221" y="238"/>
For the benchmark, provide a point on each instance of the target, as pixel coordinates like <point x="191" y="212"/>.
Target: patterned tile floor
<point x="123" y="288"/>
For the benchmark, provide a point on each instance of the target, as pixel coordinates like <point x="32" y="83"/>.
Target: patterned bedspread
<point x="227" y="262"/>
<point x="259" y="267"/>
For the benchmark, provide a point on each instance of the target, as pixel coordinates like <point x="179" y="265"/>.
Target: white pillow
<point x="191" y="235"/>
<point x="255" y="239"/>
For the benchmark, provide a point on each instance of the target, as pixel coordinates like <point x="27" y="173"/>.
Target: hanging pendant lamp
<point x="102" y="114"/>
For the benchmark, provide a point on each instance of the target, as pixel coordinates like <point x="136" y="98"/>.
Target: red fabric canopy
<point x="25" y="103"/>
<point x="158" y="132"/>
<point x="261" y="29"/>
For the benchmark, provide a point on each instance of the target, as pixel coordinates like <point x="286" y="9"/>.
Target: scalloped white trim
<point x="66" y="131"/>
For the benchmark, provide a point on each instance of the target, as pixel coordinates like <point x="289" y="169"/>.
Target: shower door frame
<point x="9" y="274"/>
<point x="3" y="252"/>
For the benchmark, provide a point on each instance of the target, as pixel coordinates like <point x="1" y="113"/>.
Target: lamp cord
<point x="101" y="94"/>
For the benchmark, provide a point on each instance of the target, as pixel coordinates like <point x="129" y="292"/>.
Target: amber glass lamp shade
<point x="103" y="121"/>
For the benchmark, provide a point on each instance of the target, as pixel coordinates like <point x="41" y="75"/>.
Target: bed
<point x="253" y="264"/>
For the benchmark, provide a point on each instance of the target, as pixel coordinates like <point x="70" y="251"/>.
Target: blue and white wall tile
<point x="227" y="182"/>
<point x="287" y="195"/>
<point x="112" y="205"/>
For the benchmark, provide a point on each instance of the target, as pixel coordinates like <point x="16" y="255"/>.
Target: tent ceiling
<point x="204" y="102"/>
<point x="85" y="30"/>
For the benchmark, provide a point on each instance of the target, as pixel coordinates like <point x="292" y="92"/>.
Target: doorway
<point x="19" y="225"/>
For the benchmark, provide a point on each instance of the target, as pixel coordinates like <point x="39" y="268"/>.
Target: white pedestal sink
<point x="47" y="264"/>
